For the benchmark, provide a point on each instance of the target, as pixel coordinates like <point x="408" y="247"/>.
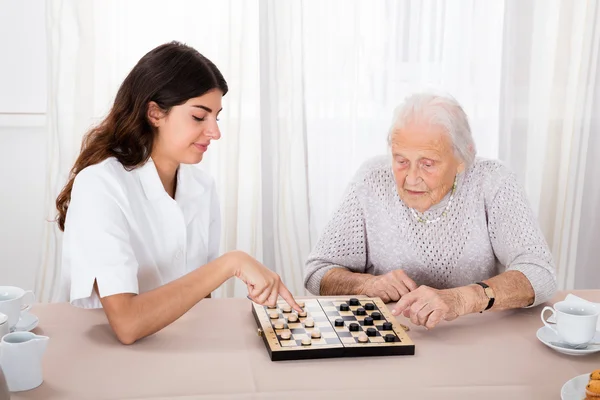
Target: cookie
<point x="595" y="375"/>
<point x="593" y="389"/>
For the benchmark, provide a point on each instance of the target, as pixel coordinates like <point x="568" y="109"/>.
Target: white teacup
<point x="13" y="302"/>
<point x="575" y="322"/>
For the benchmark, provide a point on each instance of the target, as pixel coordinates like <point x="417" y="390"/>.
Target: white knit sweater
<point x="489" y="228"/>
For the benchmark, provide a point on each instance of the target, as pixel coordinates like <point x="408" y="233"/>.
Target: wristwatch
<point x="489" y="292"/>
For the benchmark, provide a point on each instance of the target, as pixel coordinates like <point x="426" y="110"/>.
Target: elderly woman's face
<point x="424" y="164"/>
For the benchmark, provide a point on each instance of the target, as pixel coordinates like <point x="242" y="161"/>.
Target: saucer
<point x="574" y="389"/>
<point x="28" y="322"/>
<point x="547" y="335"/>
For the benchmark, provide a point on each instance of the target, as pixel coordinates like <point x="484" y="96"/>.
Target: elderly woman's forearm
<point x="340" y="281"/>
<point x="512" y="289"/>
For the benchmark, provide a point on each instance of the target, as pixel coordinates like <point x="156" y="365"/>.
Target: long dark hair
<point x="169" y="75"/>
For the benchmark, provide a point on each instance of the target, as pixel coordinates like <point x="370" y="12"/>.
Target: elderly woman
<point x="433" y="227"/>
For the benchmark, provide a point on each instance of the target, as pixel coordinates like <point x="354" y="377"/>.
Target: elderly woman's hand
<point x="389" y="287"/>
<point x="427" y="306"/>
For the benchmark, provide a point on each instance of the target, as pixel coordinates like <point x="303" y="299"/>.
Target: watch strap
<point x="491" y="299"/>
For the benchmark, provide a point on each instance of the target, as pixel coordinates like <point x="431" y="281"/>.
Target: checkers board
<point x="341" y="327"/>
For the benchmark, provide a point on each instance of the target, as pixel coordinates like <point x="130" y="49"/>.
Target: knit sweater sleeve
<point x="517" y="240"/>
<point x="343" y="242"/>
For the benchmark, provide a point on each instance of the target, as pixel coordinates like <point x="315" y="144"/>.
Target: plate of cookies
<point x="582" y="387"/>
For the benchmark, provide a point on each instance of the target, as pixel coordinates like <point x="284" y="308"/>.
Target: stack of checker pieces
<point x="331" y="327"/>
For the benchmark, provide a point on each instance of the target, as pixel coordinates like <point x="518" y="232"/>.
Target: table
<point x="214" y="352"/>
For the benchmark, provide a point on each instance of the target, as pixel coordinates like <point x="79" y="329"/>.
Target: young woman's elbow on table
<point x="124" y="323"/>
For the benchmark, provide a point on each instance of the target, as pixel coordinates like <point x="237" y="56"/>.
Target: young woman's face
<point x="185" y="133"/>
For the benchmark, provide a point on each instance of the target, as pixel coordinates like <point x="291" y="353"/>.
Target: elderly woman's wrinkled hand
<point x="389" y="287"/>
<point x="428" y="307"/>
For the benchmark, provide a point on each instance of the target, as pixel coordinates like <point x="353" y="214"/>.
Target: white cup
<point x="13" y="303"/>
<point x="575" y="321"/>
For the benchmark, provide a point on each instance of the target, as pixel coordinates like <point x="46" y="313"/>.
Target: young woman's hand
<point x="264" y="285"/>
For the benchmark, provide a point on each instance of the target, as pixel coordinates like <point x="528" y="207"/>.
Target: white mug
<point x="13" y="303"/>
<point x="575" y="322"/>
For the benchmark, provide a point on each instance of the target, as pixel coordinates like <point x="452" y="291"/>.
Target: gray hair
<point x="439" y="110"/>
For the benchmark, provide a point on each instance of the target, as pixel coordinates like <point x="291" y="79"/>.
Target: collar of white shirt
<point x="189" y="189"/>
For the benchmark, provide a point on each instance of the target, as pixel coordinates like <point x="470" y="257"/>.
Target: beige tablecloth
<point x="213" y="352"/>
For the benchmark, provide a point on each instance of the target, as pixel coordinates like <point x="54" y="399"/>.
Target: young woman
<point x="141" y="225"/>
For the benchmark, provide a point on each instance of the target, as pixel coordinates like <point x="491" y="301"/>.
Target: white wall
<point x="22" y="56"/>
<point x="22" y="139"/>
<point x="22" y="175"/>
<point x="588" y="249"/>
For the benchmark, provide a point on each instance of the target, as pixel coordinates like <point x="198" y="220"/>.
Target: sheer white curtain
<point x="549" y="107"/>
<point x="313" y="86"/>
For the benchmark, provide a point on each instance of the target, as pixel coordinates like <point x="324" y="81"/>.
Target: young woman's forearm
<point x="133" y="317"/>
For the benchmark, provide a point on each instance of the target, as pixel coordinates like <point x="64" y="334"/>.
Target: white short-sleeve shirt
<point x="124" y="231"/>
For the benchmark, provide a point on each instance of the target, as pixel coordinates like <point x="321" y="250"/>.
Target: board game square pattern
<point x="325" y="339"/>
